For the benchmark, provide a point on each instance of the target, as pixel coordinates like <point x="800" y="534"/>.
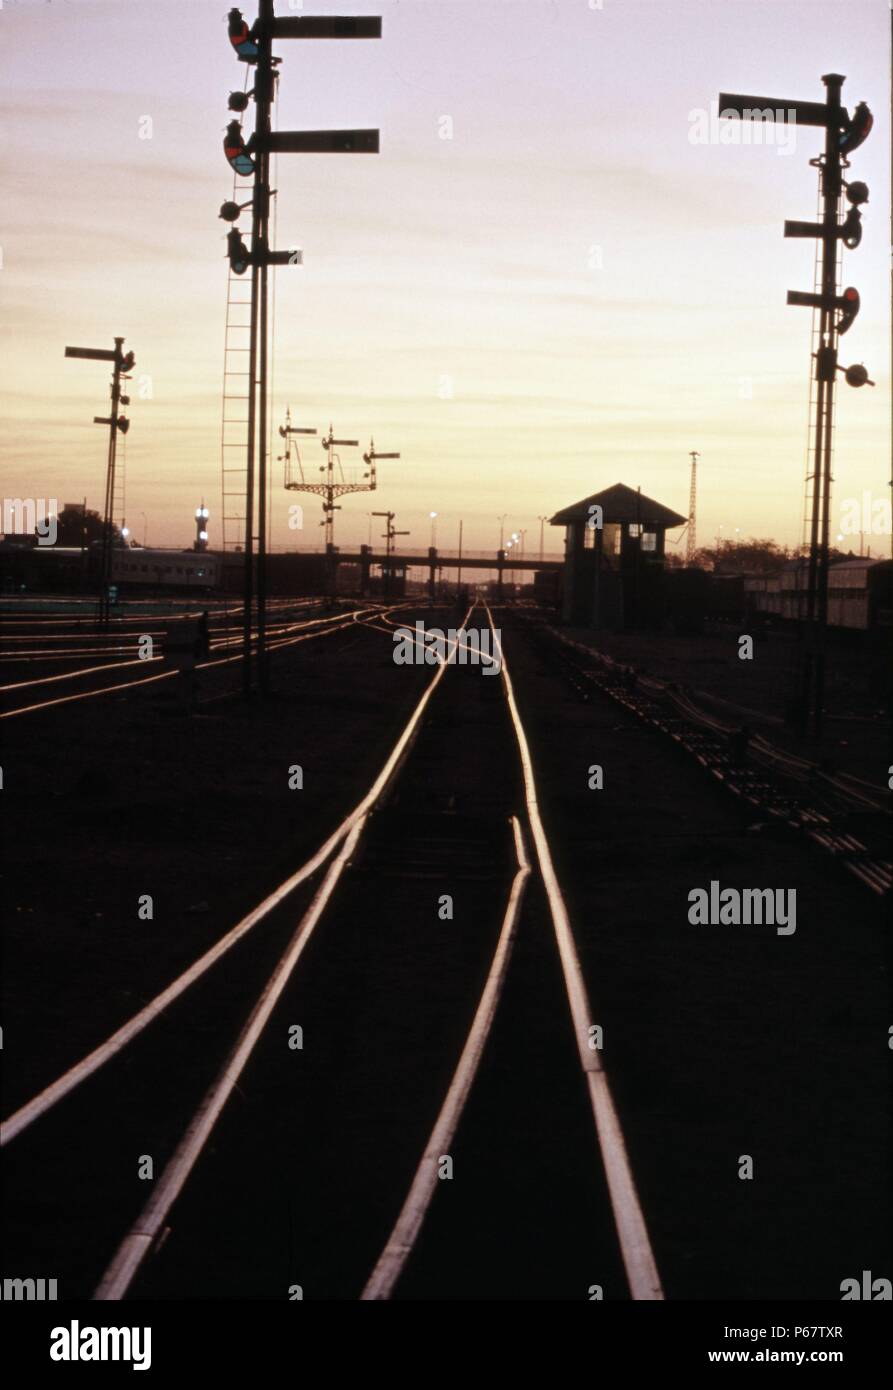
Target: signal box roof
<point x="620" y="504"/>
<point x="857" y="562"/>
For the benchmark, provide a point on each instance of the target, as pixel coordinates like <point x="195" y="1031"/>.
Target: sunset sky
<point x="566" y="294"/>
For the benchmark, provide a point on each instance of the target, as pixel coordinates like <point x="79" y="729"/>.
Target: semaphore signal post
<point x="254" y="46"/>
<point x="843" y="134"/>
<point x="122" y="364"/>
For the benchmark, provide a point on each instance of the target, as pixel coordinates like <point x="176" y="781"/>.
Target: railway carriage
<point x="137" y="568"/>
<point x="860" y="593"/>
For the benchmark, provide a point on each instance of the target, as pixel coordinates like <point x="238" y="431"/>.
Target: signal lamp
<point x="237" y="251"/>
<point x="851" y="229"/>
<point x="234" y="149"/>
<point x="240" y="37"/>
<point x="857" y="130"/>
<point x="850" y="309"/>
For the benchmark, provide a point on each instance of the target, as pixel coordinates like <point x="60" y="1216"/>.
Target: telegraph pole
<point x="843" y="134"/>
<point x="121" y="364"/>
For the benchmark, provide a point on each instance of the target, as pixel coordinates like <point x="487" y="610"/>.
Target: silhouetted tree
<point x="79" y="527"/>
<point x="736" y="557"/>
<point x="834" y="555"/>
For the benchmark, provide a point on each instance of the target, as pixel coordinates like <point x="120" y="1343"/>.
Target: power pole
<point x="255" y="47"/>
<point x="121" y="364"/>
<point x="843" y="134"/>
<point x="691" y="544"/>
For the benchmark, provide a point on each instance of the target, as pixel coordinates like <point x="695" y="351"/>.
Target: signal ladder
<point x="118" y="511"/>
<point x="809" y="492"/>
<point x="236" y="397"/>
<point x="116" y="505"/>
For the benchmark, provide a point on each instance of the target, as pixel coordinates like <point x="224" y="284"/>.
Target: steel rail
<point x="50" y="1096"/>
<point x="336" y="622"/>
<point x="147" y="1228"/>
<point x="632" y="1232"/>
<point x="402" y="1239"/>
<point x="143" y="1234"/>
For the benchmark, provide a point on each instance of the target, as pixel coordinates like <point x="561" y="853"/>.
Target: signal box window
<point x="649" y="540"/>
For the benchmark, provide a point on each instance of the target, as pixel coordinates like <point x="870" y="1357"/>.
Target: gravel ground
<point x="857" y="736"/>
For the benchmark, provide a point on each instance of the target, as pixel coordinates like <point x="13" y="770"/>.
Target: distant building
<point x="613" y="572"/>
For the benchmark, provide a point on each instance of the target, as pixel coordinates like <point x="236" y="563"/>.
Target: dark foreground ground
<point x="721" y="1042"/>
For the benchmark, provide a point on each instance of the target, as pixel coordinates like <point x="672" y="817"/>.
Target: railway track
<point x="843" y="815"/>
<point x="37" y="694"/>
<point x="323" y="1168"/>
